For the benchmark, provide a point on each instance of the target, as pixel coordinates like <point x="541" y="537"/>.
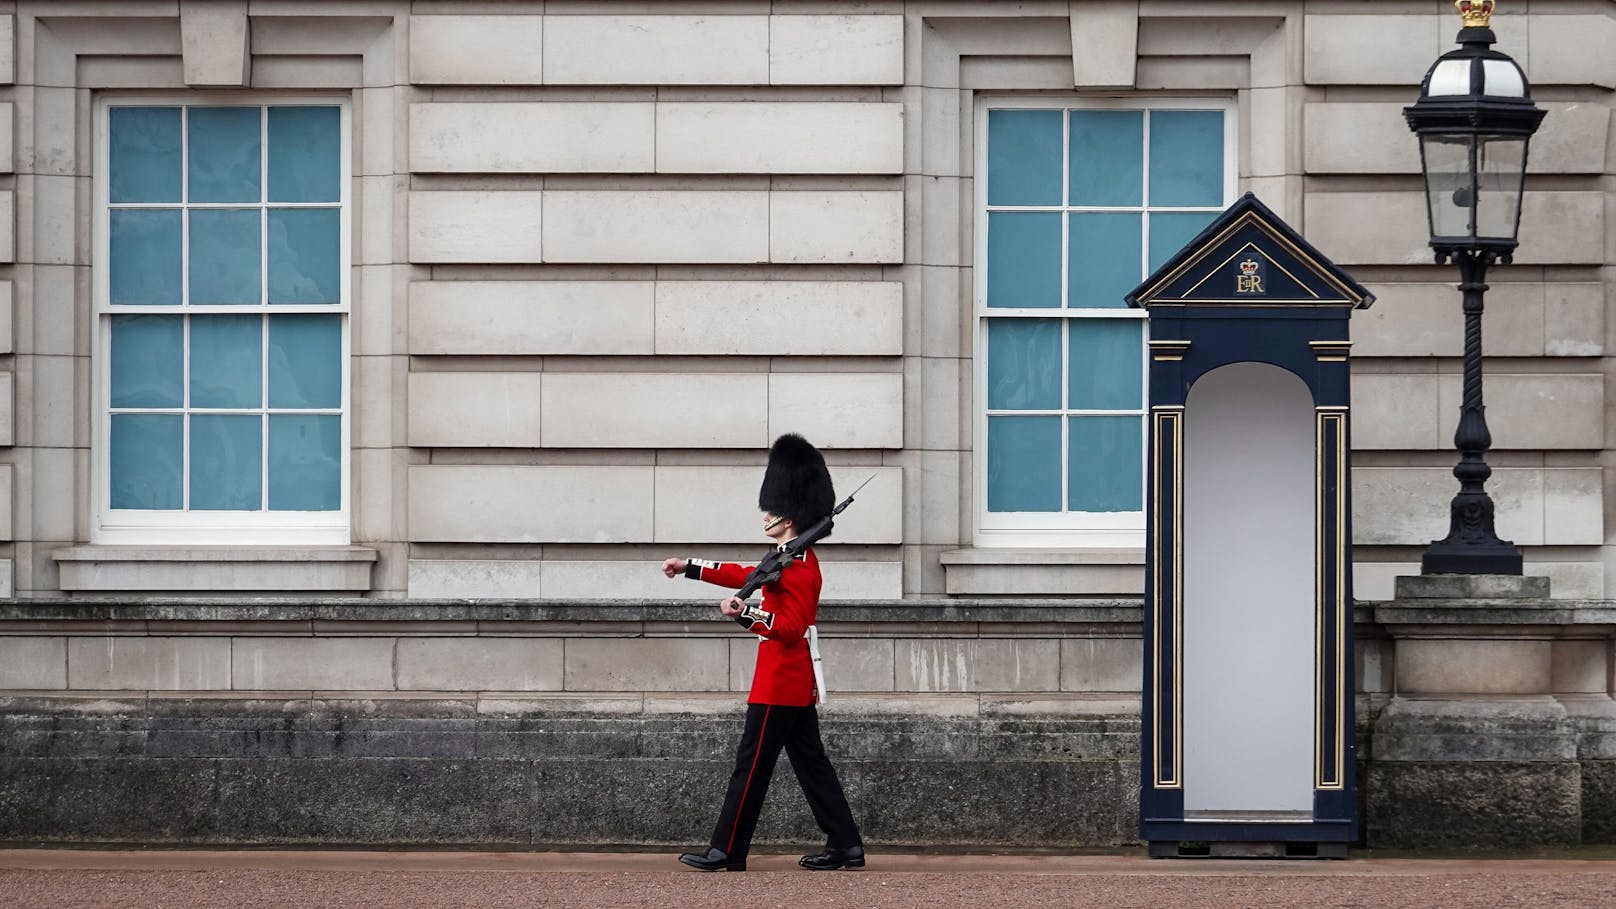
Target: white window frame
<point x="1063" y="529"/>
<point x="195" y="528"/>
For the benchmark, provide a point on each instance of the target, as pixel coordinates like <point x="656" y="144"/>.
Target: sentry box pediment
<point x="1247" y="714"/>
<point x="1249" y="257"/>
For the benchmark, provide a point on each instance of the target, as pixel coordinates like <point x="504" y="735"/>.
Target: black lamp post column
<point x="1472" y="545"/>
<point x="1475" y="119"/>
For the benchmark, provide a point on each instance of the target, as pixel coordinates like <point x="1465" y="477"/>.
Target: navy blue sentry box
<point x="1247" y="715"/>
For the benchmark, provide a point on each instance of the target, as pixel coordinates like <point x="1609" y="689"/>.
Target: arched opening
<point x="1249" y="595"/>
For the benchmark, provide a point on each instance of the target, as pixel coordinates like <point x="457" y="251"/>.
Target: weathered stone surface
<point x="108" y="800"/>
<point x="1427" y="804"/>
<point x="1472" y="586"/>
<point x="1599" y="801"/>
<point x="373" y="801"/>
<point x="1479" y="730"/>
<point x="423" y="770"/>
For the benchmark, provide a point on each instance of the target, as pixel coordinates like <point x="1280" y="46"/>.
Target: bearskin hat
<point x="797" y="485"/>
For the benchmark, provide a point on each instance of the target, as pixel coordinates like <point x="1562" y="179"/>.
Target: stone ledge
<point x="335" y="609"/>
<point x="1541" y="612"/>
<point x="215" y="568"/>
<point x="1024" y="572"/>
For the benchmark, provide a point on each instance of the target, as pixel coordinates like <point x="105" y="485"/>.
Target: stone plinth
<point x="1500" y="703"/>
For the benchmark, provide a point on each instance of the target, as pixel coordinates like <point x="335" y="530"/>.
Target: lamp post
<point x="1474" y="119"/>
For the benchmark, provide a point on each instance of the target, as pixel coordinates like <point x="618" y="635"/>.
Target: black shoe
<point x="716" y="859"/>
<point x="832" y="859"/>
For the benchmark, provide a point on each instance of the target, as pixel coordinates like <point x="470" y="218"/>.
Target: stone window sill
<point x="1044" y="572"/>
<point x="198" y="569"/>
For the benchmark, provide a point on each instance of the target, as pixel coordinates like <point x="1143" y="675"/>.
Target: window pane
<point x="224" y="145"/>
<point x="1104" y="363"/>
<point x="143" y="154"/>
<point x="144" y="249"/>
<point x="1024" y="364"/>
<point x="1024" y="259"/>
<point x="1104" y="266"/>
<point x="1024" y="157"/>
<point x="304" y="255"/>
<point x="225" y="256"/>
<point x="147" y="361"/>
<point x="1107" y="157"/>
<point x="305" y="361"/>
<point x="227" y="361"/>
<point x="305" y="148"/>
<point x="305" y="462"/>
<point x="1186" y="157"/>
<point x="146" y="460"/>
<point x="227" y="462"/>
<point x="1105" y="464"/>
<point x="1024" y="468"/>
<point x="1169" y="231"/>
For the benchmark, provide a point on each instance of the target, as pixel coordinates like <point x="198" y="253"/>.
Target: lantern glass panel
<point x="1500" y="169"/>
<point x="1449" y="190"/>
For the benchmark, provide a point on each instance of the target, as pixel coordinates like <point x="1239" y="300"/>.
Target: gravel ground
<point x="184" y="881"/>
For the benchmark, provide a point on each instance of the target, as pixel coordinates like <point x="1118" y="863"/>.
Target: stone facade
<point x="601" y="252"/>
<point x="612" y="214"/>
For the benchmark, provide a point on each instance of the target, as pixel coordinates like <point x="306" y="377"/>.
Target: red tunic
<point x="785" y="673"/>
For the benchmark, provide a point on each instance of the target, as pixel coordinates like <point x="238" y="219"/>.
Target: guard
<point x="796" y="495"/>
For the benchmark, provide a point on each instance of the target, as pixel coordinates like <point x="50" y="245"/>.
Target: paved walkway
<point x="293" y="879"/>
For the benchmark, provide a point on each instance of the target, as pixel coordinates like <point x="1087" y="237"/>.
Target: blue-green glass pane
<point x="226" y="361"/>
<point x="1186" y="157"/>
<point x="1024" y="157"/>
<point x="227" y="462"/>
<point x="1169" y="231"/>
<point x="144" y="256"/>
<point x="1104" y="259"/>
<point x="1024" y="464"/>
<point x="148" y="361"/>
<point x="305" y="253"/>
<point x="147" y="460"/>
<point x="1024" y="259"/>
<point x="1105" y="464"/>
<point x="1105" y="364"/>
<point x="1024" y="364"/>
<point x="305" y="154"/>
<point x="225" y="145"/>
<point x="1107" y="157"/>
<point x="305" y="361"/>
<point x="226" y="256"/>
<point x="305" y="462"/>
<point x="143" y="154"/>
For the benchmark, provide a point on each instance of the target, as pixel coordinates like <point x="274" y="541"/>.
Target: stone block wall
<point x="600" y="262"/>
<point x="512" y="723"/>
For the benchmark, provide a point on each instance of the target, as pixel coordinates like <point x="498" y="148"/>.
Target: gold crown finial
<point x="1476" y="13"/>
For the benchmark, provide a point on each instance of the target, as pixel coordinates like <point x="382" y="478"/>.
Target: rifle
<point x="769" y="567"/>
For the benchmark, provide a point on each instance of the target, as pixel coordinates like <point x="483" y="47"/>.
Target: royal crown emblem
<point x="1250" y="279"/>
<point x="1476" y="13"/>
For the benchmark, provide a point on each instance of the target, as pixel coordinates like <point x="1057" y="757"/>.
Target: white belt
<point x="819" y="665"/>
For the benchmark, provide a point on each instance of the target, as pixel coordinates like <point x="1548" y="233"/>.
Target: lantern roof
<point x="1473" y="88"/>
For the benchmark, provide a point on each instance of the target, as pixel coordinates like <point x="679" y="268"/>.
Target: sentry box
<point x="1247" y="743"/>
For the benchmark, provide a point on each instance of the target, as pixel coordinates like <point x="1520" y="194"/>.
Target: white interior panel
<point x="1248" y="594"/>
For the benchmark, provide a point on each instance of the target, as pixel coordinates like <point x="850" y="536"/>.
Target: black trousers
<point x="770" y="727"/>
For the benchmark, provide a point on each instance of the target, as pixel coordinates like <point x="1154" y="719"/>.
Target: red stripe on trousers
<point x="741" y="809"/>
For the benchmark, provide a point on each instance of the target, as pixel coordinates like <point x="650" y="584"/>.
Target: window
<point x="1077" y="204"/>
<point x="222" y="294"/>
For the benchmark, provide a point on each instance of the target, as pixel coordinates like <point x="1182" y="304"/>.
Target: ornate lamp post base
<point x="1479" y="557"/>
